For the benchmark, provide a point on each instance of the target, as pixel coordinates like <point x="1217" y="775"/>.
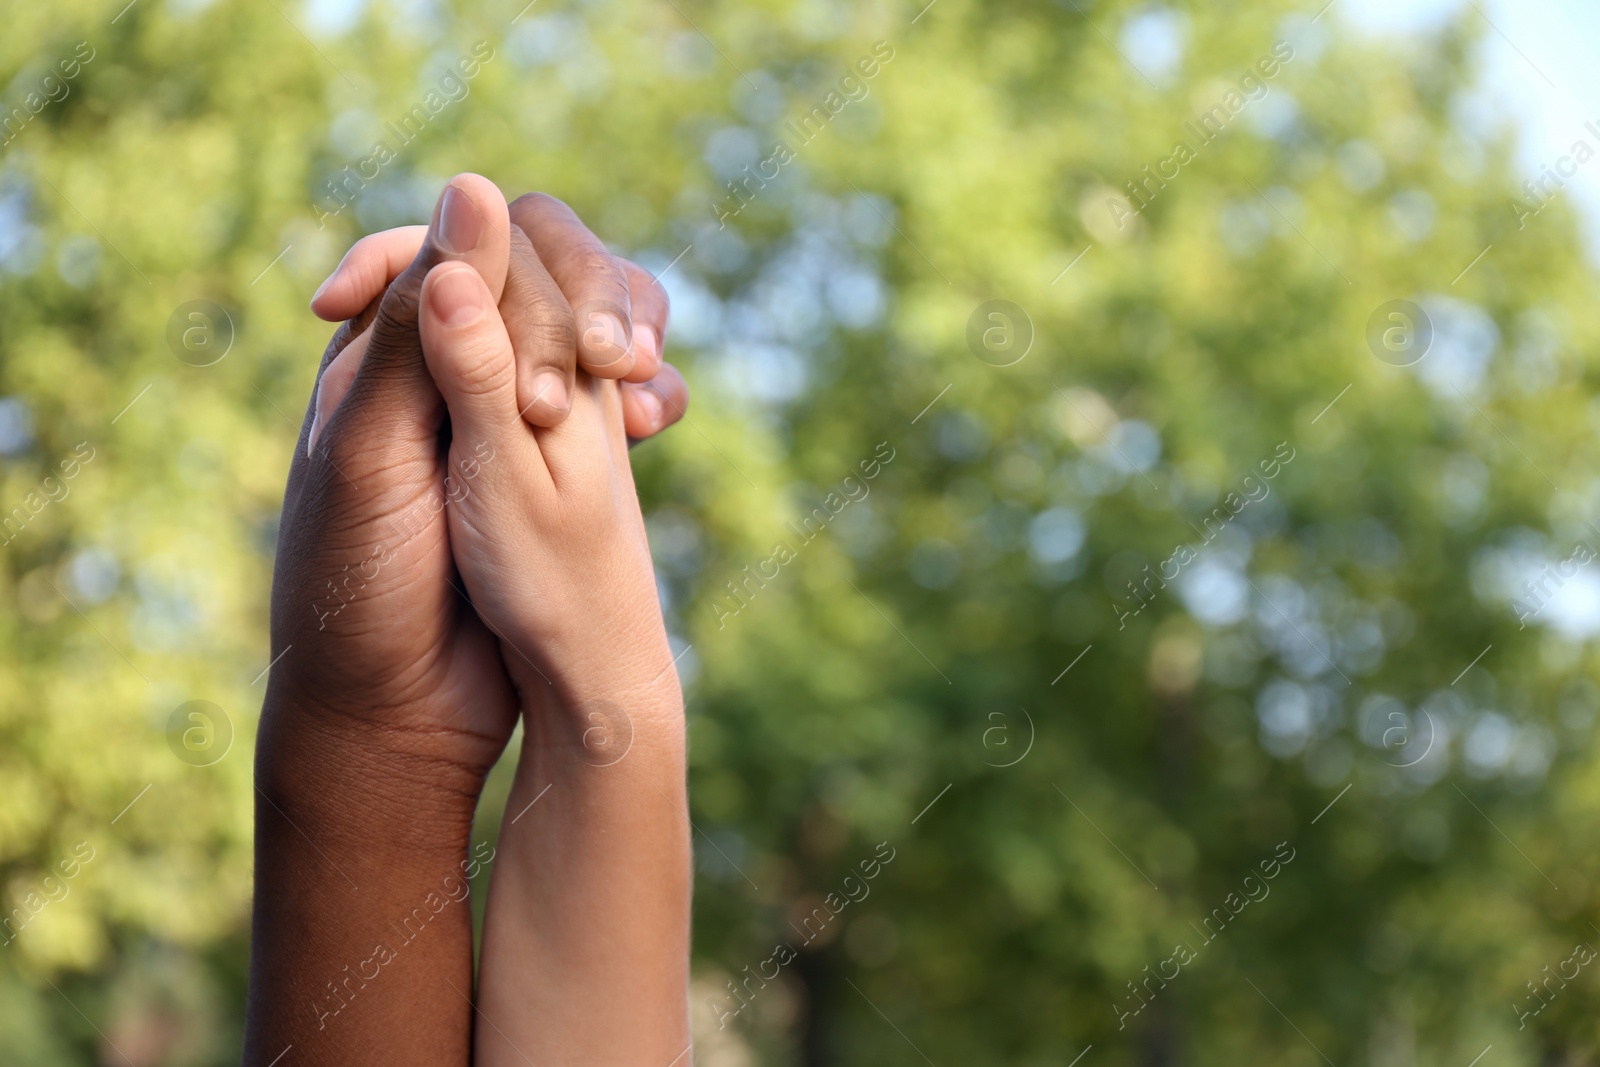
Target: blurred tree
<point x="979" y="654"/>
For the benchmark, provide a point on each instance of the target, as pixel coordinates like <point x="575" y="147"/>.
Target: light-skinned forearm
<point x="586" y="945"/>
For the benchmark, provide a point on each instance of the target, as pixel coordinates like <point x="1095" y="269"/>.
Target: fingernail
<point x="457" y="297"/>
<point x="459" y="223"/>
<point x="654" y="408"/>
<point x="550" y="389"/>
<point x="606" y="332"/>
<point x="646" y="348"/>
<point x="311" y="435"/>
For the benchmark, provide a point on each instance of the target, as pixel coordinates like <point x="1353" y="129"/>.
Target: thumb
<point x="469" y="356"/>
<point x="390" y="397"/>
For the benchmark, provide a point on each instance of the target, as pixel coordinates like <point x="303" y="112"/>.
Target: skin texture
<point x="654" y="395"/>
<point x="392" y="697"/>
<point x="589" y="905"/>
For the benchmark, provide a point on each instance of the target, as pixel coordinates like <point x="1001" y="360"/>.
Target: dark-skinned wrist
<point x="355" y="773"/>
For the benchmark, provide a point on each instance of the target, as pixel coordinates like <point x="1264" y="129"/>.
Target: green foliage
<point x="918" y="642"/>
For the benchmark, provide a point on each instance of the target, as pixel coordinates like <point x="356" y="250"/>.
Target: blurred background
<point x="1173" y="417"/>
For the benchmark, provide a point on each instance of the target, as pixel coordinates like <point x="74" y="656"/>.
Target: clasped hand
<point x="462" y="548"/>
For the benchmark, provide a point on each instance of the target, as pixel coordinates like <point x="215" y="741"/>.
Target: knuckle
<point x="398" y="312"/>
<point x="539" y="205"/>
<point x="543" y="318"/>
<point x="521" y="245"/>
<point x="480" y="371"/>
<point x="525" y="271"/>
<point x="599" y="266"/>
<point x="555" y="335"/>
<point x="535" y="200"/>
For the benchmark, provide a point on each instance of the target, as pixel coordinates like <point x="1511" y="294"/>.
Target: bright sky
<point x="1538" y="66"/>
<point x="1539" y="70"/>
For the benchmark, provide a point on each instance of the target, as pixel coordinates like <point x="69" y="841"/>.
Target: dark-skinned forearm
<point x="362" y="928"/>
